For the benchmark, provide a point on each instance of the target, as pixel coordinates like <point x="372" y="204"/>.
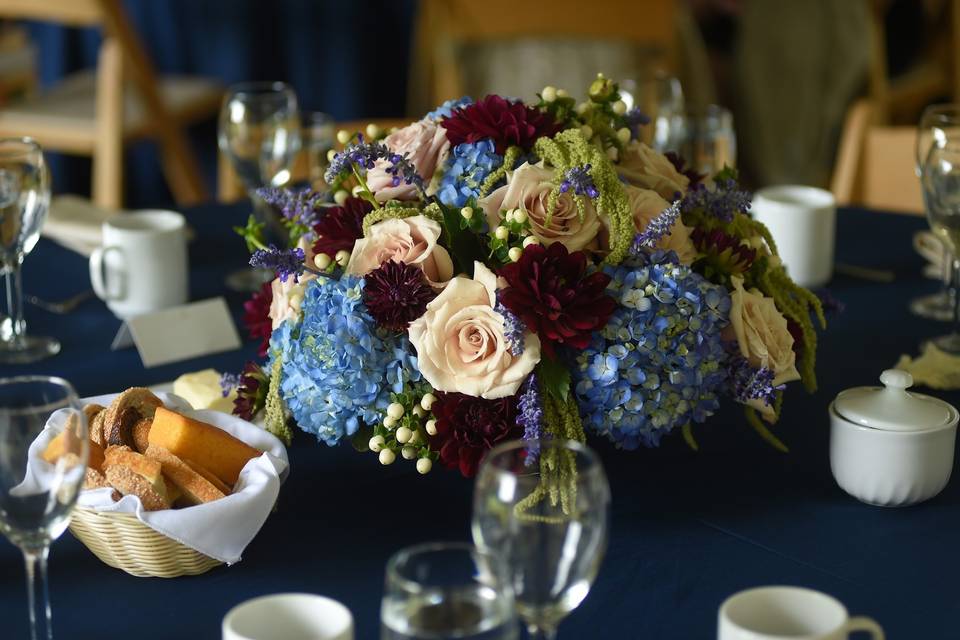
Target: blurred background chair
<point x="95" y="113"/>
<point x="18" y="64"/>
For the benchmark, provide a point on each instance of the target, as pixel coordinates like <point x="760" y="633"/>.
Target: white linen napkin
<point x="221" y="529"/>
<point x="75" y="223"/>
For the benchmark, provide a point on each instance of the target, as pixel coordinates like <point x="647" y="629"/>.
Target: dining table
<point x="688" y="528"/>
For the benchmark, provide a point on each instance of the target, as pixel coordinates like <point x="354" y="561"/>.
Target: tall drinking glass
<point x="447" y="590"/>
<point x="707" y="140"/>
<point x="660" y="97"/>
<point x="36" y="496"/>
<point x="940" y="178"/>
<point x="259" y="132"/>
<point x="24" y="201"/>
<point x="319" y="137"/>
<point x="938" y="123"/>
<point x="551" y="529"/>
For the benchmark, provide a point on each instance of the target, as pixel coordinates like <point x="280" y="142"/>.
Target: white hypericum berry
<point x="431" y="427"/>
<point x="322" y="261"/>
<point x="582" y="108"/>
<point x="376" y="443"/>
<point x="623" y="135"/>
<point x="424" y="465"/>
<point x="356" y="191"/>
<point x="395" y="410"/>
<point x="341" y="196"/>
<point x="389" y="422"/>
<point x="508" y="216"/>
<point x="613" y="154"/>
<point x="408" y="453"/>
<point x="343" y="136"/>
<point x="342" y="257"/>
<point x="427" y="401"/>
<point x="466" y="212"/>
<point x="514" y="254"/>
<point x="529" y="240"/>
<point x="587" y="131"/>
<point x="414" y="438"/>
<point x="418" y="411"/>
<point x="519" y="216"/>
<point x="331" y="154"/>
<point x="403" y="435"/>
<point x="619" y="107"/>
<point x="387" y="456"/>
<point x="562" y="93"/>
<point x="501" y="233"/>
<point x="373" y="131"/>
<point x="549" y="94"/>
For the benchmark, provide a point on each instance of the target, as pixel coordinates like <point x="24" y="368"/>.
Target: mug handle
<point x="863" y="623"/>
<point x="98" y="278"/>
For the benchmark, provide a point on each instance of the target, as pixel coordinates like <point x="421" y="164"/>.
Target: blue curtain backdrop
<point x="348" y="59"/>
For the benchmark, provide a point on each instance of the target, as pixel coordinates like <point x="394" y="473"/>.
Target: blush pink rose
<point x="528" y="188"/>
<point x="646" y="168"/>
<point x="425" y="145"/>
<point x="412" y="240"/>
<point x="287" y="299"/>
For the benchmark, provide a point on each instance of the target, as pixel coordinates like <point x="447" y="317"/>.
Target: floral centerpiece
<point x="503" y="270"/>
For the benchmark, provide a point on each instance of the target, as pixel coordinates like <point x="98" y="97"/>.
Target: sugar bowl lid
<point x="892" y="407"/>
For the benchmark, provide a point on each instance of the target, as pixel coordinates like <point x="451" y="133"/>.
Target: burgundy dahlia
<point x="723" y="254"/>
<point x="506" y="123"/>
<point x="396" y="293"/>
<point x="251" y="392"/>
<point x="468" y="427"/>
<point x="680" y="164"/>
<point x="341" y="226"/>
<point x="256" y="317"/>
<point x="553" y="296"/>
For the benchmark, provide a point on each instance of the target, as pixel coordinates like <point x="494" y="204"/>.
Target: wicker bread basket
<point x="123" y="542"/>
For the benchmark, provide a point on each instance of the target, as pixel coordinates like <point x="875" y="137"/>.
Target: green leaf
<point x="464" y="245"/>
<point x="555" y="377"/>
<point x="361" y="439"/>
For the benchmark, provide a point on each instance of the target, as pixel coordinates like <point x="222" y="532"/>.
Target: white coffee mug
<point x="795" y="613"/>
<point x="288" y="616"/>
<point x="802" y="221"/>
<point x="142" y="265"/>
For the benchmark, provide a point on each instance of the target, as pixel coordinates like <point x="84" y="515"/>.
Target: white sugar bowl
<point x="891" y="447"/>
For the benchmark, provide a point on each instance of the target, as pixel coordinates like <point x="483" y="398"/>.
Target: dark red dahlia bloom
<point x="507" y="123"/>
<point x="723" y="253"/>
<point x="251" y="392"/>
<point x="341" y="226"/>
<point x="468" y="427"/>
<point x="550" y="291"/>
<point x="680" y="164"/>
<point x="396" y="293"/>
<point x="256" y="317"/>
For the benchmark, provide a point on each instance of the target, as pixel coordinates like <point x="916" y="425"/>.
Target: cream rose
<point x="643" y="167"/>
<point x="287" y="298"/>
<point x="411" y="240"/>
<point x="647" y="205"/>
<point x="461" y="345"/>
<point x="528" y="188"/>
<point x="761" y="333"/>
<point x="425" y="145"/>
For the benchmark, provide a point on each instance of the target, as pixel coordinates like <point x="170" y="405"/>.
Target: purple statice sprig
<point x="285" y="262"/>
<point x="513" y="327"/>
<point x="300" y="208"/>
<point x="579" y="180"/>
<point x="751" y="383"/>
<point x="530" y="416"/>
<point x="659" y="227"/>
<point x="228" y="382"/>
<point x="723" y="202"/>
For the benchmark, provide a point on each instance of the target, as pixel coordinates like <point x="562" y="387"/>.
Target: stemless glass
<point x="551" y="529"/>
<point x="447" y="590"/>
<point x="24" y="201"/>
<point x="940" y="178"/>
<point x="660" y="97"/>
<point x="36" y="496"/>
<point x="259" y="132"/>
<point x="938" y="124"/>
<point x="707" y="140"/>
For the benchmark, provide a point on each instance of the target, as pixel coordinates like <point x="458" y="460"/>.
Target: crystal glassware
<point x="660" y="97"/>
<point x="259" y="132"/>
<point x="938" y="123"/>
<point x="447" y="590"/>
<point x="550" y="528"/>
<point x="940" y="178"/>
<point x="319" y="135"/>
<point x="706" y="139"/>
<point x="36" y="496"/>
<point x="24" y="201"/>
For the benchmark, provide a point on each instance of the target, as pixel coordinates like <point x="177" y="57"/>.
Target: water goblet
<point x="319" y="133"/>
<point x="37" y="496"/>
<point x="706" y="139"/>
<point x="24" y="201"/>
<point x="940" y="178"/>
<point x="543" y="506"/>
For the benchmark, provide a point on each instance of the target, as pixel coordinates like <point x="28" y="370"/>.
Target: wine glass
<point x="940" y="178"/>
<point x="447" y="590"/>
<point x="37" y="496"/>
<point x="319" y="135"/>
<point x="660" y="97"/>
<point x="938" y="123"/>
<point x="24" y="201"/>
<point x="549" y="526"/>
<point x="706" y="139"/>
<point x="259" y="132"/>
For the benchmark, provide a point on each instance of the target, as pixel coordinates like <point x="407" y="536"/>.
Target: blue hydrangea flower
<point x="338" y="367"/>
<point x="467" y="167"/>
<point x="447" y="108"/>
<point x="658" y="363"/>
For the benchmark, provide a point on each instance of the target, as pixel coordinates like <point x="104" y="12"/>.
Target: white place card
<point x="184" y="332"/>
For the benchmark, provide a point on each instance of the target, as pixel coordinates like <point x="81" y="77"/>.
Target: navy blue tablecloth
<point x="688" y="528"/>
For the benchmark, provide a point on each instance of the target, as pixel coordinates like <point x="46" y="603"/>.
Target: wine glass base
<point x="248" y="280"/>
<point x="936" y="306"/>
<point x="31" y="349"/>
<point x="949" y="343"/>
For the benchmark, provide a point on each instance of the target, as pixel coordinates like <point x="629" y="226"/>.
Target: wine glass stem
<point x="38" y="598"/>
<point x="15" y="305"/>
<point x="955" y="263"/>
<point x="541" y="633"/>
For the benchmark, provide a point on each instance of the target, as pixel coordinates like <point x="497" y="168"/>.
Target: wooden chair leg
<point x="107" y="188"/>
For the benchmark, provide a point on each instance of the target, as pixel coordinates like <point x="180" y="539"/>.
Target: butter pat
<point x="202" y="390"/>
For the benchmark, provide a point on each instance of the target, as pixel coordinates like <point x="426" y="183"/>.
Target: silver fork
<point x="61" y="307"/>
